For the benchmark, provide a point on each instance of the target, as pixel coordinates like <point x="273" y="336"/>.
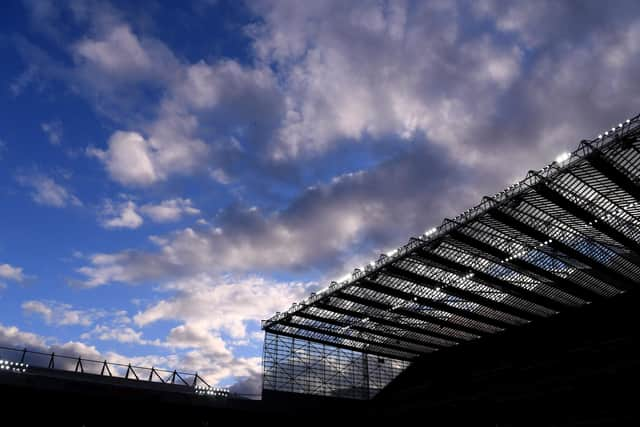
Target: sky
<point x="172" y="173"/>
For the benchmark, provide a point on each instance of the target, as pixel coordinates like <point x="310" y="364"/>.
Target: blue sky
<point x="170" y="176"/>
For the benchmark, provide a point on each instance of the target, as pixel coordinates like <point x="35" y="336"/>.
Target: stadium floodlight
<point x="628" y="120"/>
<point x="563" y="157"/>
<point x="212" y="391"/>
<point x="392" y="252"/>
<point x="600" y="136"/>
<point x="17" y="367"/>
<point x="430" y="231"/>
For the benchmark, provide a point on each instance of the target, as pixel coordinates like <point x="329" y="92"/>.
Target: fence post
<point x="79" y="365"/>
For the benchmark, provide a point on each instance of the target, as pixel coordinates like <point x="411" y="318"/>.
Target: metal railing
<point x="29" y="359"/>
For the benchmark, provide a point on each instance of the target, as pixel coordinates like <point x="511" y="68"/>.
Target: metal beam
<point x="612" y="173"/>
<point x="370" y="331"/>
<point x="491" y="281"/>
<point x="458" y="292"/>
<point x="344" y="346"/>
<point x="528" y="268"/>
<point x="337" y="334"/>
<point x="410" y="313"/>
<point x="438" y="305"/>
<point x="589" y="218"/>
<point x="598" y="270"/>
<point x="387" y="322"/>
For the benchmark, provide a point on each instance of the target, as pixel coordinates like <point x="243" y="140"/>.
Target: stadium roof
<point x="565" y="236"/>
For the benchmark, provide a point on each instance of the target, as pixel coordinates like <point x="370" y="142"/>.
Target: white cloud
<point x="418" y="78"/>
<point x="132" y="159"/>
<point x="123" y="215"/>
<point x="60" y="314"/>
<point x="220" y="176"/>
<point x="10" y="272"/>
<point x="128" y="215"/>
<point x="119" y="53"/>
<point x="47" y="192"/>
<point x="105" y="269"/>
<point x="169" y="210"/>
<point x="194" y="336"/>
<point x="122" y="334"/>
<point x="53" y="130"/>
<point x="206" y="303"/>
<point x="128" y="159"/>
<point x="13" y="337"/>
<point x="320" y="229"/>
<point x="225" y="95"/>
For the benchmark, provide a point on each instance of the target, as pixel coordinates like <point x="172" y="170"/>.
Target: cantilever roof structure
<point x="565" y="236"/>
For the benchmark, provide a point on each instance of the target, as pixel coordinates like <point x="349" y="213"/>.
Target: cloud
<point x="128" y="159"/>
<point x="53" y="130"/>
<point x="320" y="229"/>
<point x="48" y="192"/>
<point x="169" y="210"/>
<point x="336" y="73"/>
<point x="121" y="334"/>
<point x="228" y="97"/>
<point x="502" y="90"/>
<point x="123" y="215"/>
<point x="220" y="176"/>
<point x="352" y="70"/>
<point x="191" y="336"/>
<point x="131" y="159"/>
<point x="120" y="52"/>
<point x="468" y="99"/>
<point x="215" y="303"/>
<point x="10" y="272"/>
<point x="249" y="386"/>
<point x="59" y="314"/>
<point x="128" y="215"/>
<point x="115" y="53"/>
<point x="14" y="337"/>
<point x="195" y="108"/>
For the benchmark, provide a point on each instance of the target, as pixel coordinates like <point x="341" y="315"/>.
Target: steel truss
<point x="565" y="236"/>
<point x="304" y="366"/>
